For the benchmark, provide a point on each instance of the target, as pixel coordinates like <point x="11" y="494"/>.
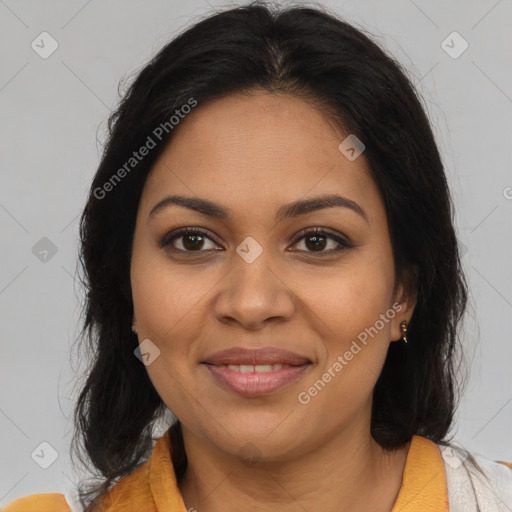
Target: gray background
<point x="53" y="114"/>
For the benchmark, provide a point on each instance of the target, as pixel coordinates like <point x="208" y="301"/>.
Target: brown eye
<point x="317" y="240"/>
<point x="192" y="240"/>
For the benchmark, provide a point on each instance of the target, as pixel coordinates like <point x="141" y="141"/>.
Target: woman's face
<point x="257" y="279"/>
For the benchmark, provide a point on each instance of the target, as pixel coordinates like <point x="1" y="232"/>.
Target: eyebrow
<point x="287" y="211"/>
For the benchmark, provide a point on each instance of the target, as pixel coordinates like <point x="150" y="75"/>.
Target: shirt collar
<point x="162" y="479"/>
<point x="423" y="482"/>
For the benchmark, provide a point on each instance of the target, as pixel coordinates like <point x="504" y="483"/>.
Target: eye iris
<point x="193" y="241"/>
<point x="194" y="245"/>
<point x="316" y="244"/>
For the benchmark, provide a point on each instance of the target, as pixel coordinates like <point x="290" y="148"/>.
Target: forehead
<point x="256" y="150"/>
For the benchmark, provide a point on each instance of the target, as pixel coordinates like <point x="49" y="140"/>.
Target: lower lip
<point x="256" y="383"/>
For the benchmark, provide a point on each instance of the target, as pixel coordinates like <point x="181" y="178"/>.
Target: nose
<point x="254" y="294"/>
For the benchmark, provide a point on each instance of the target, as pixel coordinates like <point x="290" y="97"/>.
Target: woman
<point x="269" y="253"/>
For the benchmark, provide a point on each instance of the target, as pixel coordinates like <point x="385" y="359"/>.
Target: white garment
<point x="469" y="490"/>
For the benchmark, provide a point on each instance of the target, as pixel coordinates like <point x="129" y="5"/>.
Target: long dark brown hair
<point x="310" y="53"/>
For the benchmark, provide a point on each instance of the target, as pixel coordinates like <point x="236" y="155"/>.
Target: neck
<point x="349" y="471"/>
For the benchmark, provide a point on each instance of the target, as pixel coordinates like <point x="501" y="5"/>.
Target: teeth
<point x="250" y="368"/>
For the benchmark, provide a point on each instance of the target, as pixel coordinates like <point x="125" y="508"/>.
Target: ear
<point x="405" y="300"/>
<point x="134" y="323"/>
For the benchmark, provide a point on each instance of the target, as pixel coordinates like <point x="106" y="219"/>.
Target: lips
<point x="255" y="357"/>
<point x="255" y="372"/>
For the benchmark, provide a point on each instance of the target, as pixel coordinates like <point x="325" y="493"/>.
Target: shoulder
<point x="484" y="486"/>
<point x="498" y="472"/>
<point x="44" y="502"/>
<point x="133" y="491"/>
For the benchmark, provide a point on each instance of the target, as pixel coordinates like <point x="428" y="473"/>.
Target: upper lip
<point x="266" y="355"/>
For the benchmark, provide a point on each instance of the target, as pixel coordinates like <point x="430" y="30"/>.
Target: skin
<point x="253" y="153"/>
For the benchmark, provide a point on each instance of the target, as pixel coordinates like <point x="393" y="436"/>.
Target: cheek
<point x="167" y="303"/>
<point x="355" y="340"/>
<point x="348" y="308"/>
<point x="166" y="295"/>
<point x="348" y="300"/>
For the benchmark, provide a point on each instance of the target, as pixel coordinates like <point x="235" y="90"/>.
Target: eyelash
<point x="167" y="240"/>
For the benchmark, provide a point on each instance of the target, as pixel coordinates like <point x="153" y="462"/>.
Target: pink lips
<point x="251" y="383"/>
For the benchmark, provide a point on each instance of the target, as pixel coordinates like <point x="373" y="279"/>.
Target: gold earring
<point x="403" y="329"/>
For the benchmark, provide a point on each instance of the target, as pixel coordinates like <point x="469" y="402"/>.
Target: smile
<point x="255" y="380"/>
